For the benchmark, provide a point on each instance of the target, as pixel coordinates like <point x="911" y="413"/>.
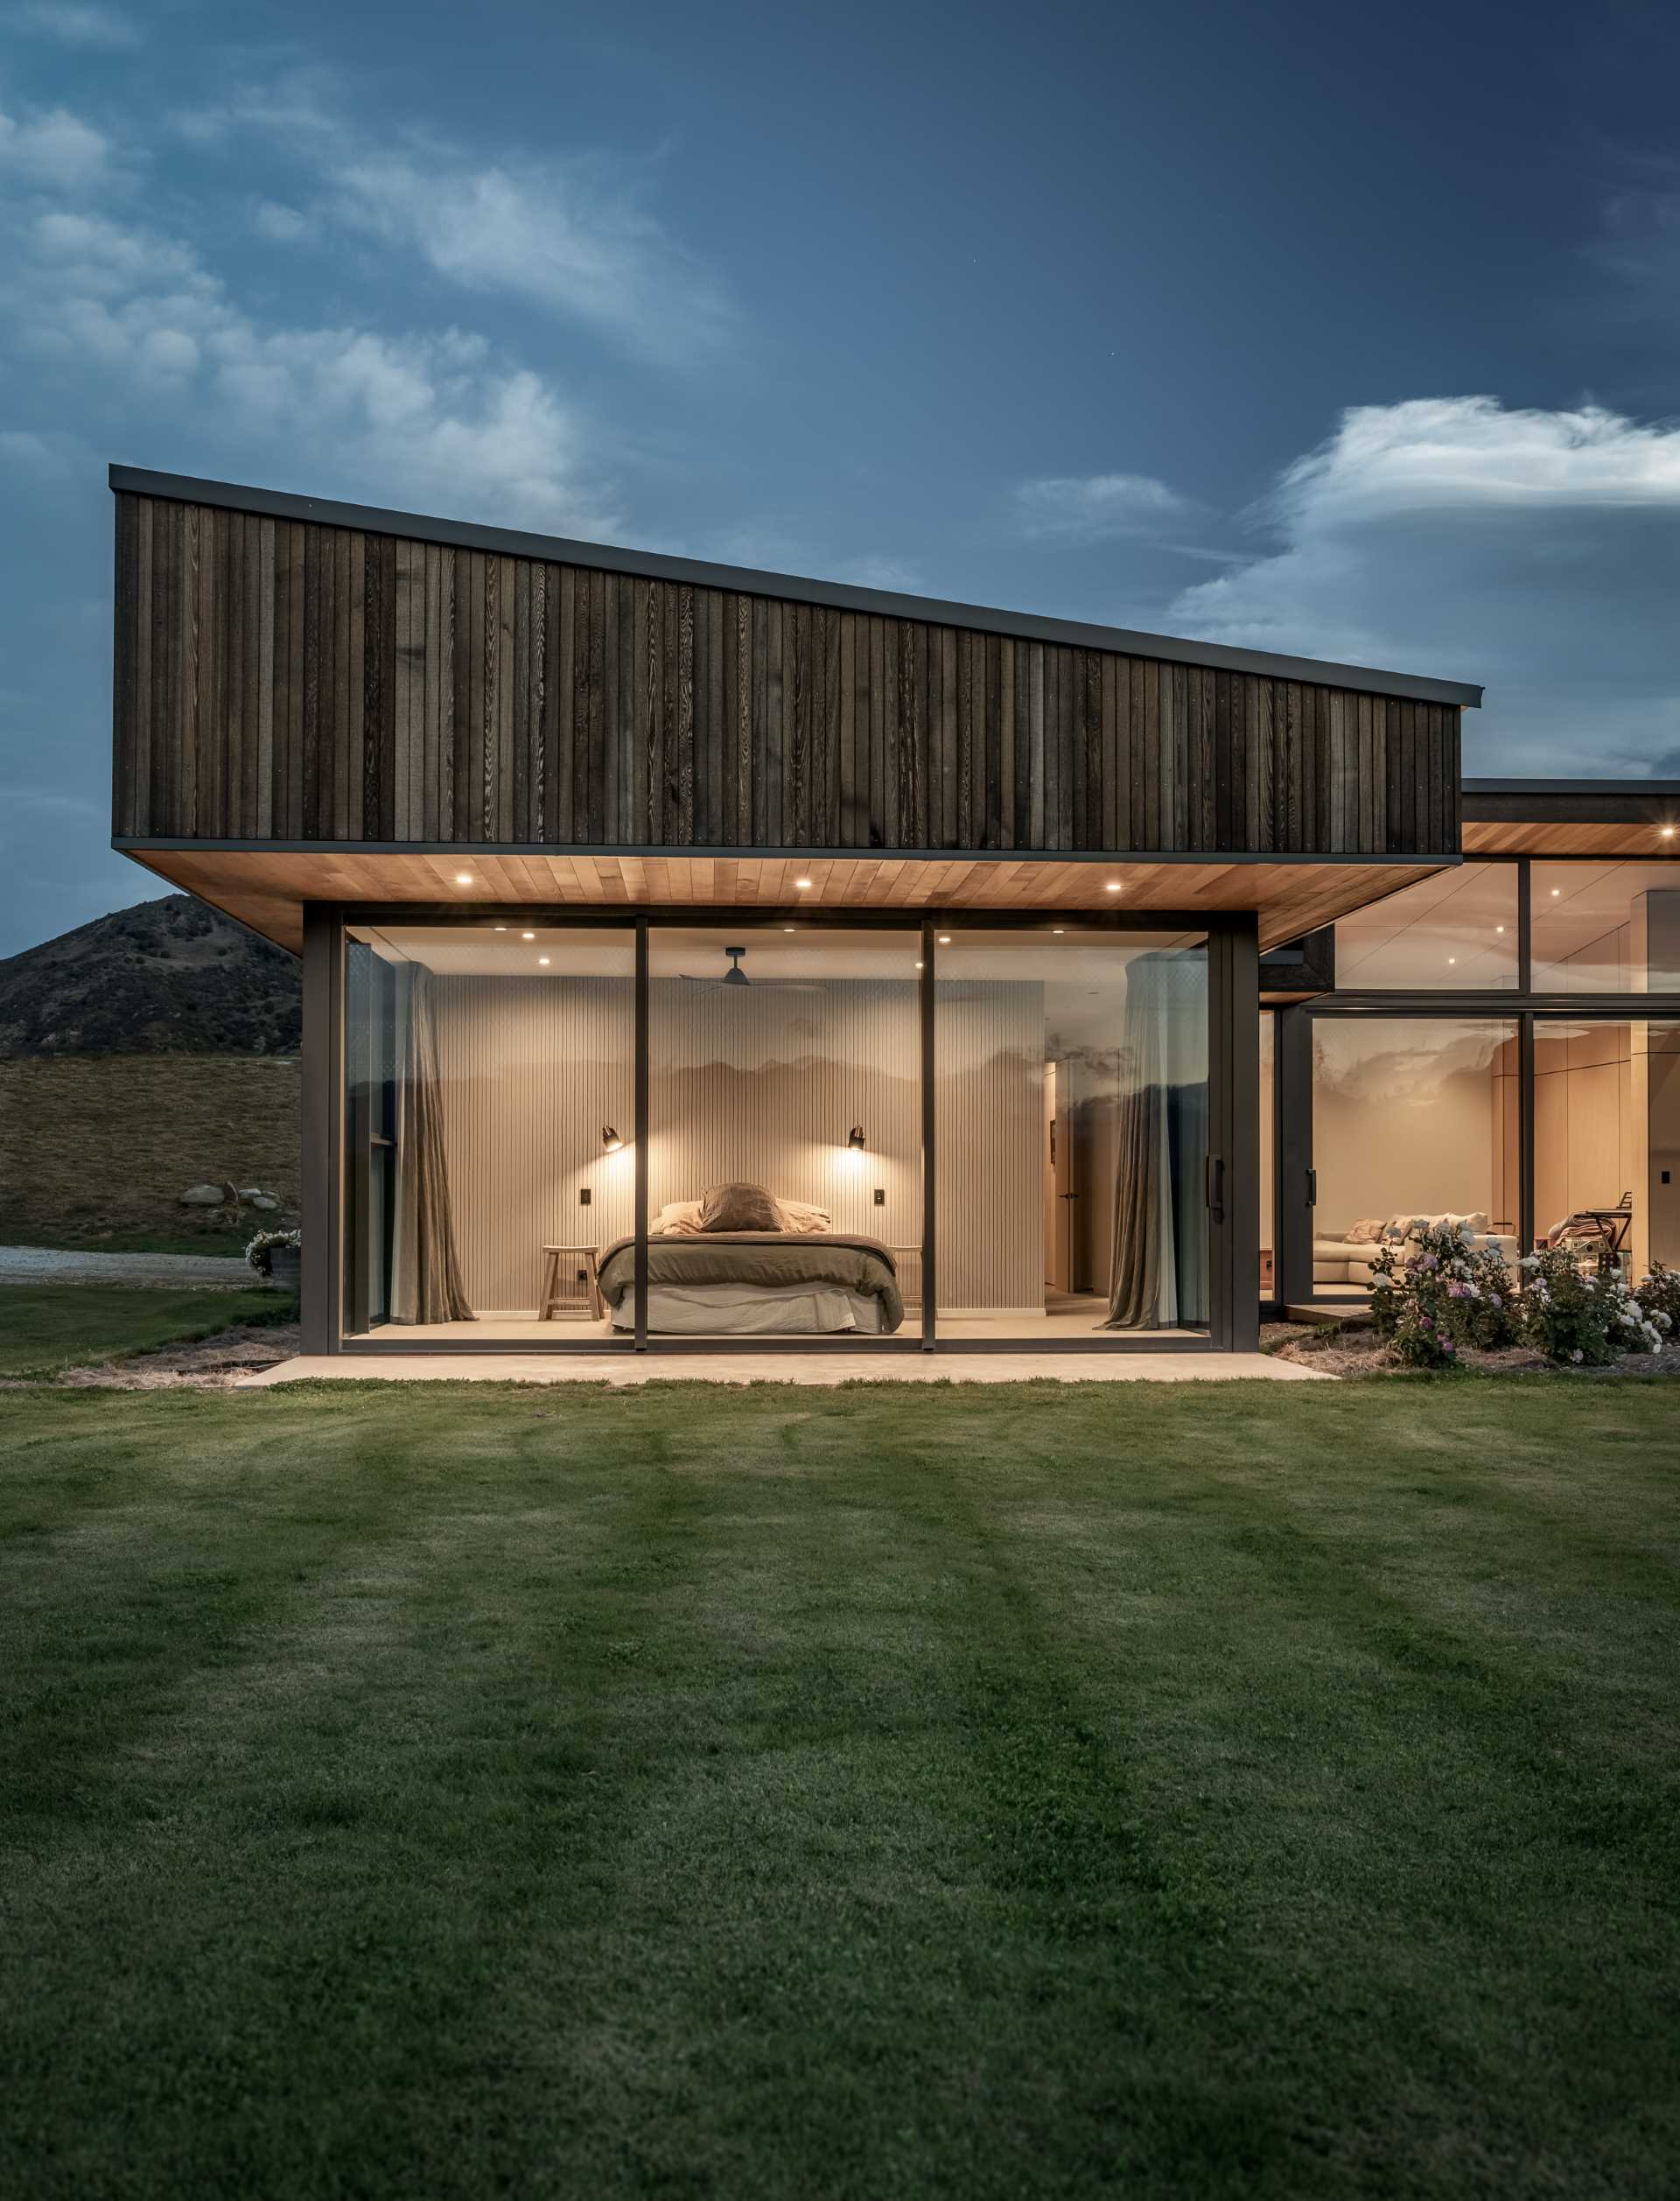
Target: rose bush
<point x="1659" y="1297"/>
<point x="1583" y="1318"/>
<point x="1446" y="1293"/>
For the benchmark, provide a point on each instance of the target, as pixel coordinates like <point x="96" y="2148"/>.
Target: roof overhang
<point x="1572" y="817"/>
<point x="267" y="887"/>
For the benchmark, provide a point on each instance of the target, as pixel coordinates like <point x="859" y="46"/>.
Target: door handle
<point x="1216" y="1186"/>
<point x="1312" y="1187"/>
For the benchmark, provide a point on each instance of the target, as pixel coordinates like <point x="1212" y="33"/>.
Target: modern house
<point x="693" y="954"/>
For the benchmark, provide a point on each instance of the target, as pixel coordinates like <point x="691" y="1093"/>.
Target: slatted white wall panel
<point x="761" y="1083"/>
<point x="988" y="1047"/>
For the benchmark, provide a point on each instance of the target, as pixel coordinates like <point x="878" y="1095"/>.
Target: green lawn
<point x="47" y="1326"/>
<point x="1202" y="1791"/>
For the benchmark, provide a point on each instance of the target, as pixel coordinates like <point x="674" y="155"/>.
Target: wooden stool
<point x="582" y="1257"/>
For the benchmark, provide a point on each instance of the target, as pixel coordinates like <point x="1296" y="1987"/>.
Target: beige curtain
<point x="426" y="1281"/>
<point x="1159" y="1278"/>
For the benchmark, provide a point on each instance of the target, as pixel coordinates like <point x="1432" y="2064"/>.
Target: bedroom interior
<point x="490" y="1097"/>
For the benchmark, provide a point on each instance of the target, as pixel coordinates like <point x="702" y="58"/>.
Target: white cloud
<point x="49" y="454"/>
<point x="78" y="22"/>
<point x="568" y="236"/>
<point x="1074" y="510"/>
<point x="55" y="150"/>
<point x="283" y="225"/>
<point x="298" y="109"/>
<point x="574" y="236"/>
<point x="1534" y="552"/>
<point x="415" y="417"/>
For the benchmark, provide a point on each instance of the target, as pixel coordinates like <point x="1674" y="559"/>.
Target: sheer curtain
<point x="1159" y="1278"/>
<point x="426" y="1281"/>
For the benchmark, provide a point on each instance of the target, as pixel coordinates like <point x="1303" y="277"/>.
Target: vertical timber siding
<point x="286" y="680"/>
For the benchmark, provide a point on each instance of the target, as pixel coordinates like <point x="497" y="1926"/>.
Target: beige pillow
<point x="1367" y="1233"/>
<point x="738" y="1207"/>
<point x="679" y="1219"/>
<point x="802" y="1219"/>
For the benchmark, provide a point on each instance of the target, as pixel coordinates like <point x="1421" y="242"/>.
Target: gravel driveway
<point x="19" y="1264"/>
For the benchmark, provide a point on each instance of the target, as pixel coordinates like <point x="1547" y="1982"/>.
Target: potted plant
<point x="277" y="1255"/>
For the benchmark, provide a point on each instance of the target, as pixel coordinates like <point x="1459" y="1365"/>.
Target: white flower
<point x="1578" y="1354"/>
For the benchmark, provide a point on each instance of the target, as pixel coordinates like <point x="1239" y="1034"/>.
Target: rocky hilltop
<point x="168" y="976"/>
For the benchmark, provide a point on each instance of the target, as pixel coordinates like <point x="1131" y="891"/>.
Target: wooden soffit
<point x="1606" y="837"/>
<point x="266" y="889"/>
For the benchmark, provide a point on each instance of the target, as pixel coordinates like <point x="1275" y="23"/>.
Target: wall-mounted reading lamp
<point x="855" y="1138"/>
<point x="610" y="1139"/>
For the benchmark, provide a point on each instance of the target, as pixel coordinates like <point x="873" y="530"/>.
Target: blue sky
<point x="1331" y="330"/>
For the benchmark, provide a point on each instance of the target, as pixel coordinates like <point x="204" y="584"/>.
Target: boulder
<point x="202" y="1196"/>
<point x="265" y="1200"/>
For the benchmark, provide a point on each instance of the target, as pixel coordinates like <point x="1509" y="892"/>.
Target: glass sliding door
<point x="488" y="1123"/>
<point x="785" y="1164"/>
<point x="1413" y="1118"/>
<point x="1071" y="1135"/>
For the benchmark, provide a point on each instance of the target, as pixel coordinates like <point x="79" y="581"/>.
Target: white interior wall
<point x="761" y="1083"/>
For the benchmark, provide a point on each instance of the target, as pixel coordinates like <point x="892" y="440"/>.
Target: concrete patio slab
<point x="626" y="1368"/>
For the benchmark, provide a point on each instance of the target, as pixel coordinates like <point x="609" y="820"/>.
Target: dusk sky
<point x="1342" y="331"/>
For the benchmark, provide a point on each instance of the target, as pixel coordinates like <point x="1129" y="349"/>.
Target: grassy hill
<point x="150" y="1050"/>
<point x="168" y="977"/>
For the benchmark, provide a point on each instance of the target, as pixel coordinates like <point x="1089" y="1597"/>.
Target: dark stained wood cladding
<point x="284" y="680"/>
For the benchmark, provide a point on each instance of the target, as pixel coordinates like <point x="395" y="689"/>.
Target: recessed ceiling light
<point x="944" y="939"/>
<point x="528" y="935"/>
<point x="1058" y="930"/>
<point x="918" y="966"/>
<point x="499" y="928"/>
<point x="802" y="882"/>
<point x="542" y="958"/>
<point x="1556" y="891"/>
<point x="1452" y="958"/>
<point x="1113" y="886"/>
<point x="463" y="879"/>
<point x="1667" y="832"/>
<point x="786" y="927"/>
<point x="1499" y="928"/>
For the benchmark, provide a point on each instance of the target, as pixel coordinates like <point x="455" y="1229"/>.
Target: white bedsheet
<point x="749" y="1310"/>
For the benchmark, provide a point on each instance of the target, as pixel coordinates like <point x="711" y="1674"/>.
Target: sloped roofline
<point x="837" y="595"/>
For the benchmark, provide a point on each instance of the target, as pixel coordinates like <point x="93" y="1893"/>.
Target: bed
<point x="756" y="1283"/>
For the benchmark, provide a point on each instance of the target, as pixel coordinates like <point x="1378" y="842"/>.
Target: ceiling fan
<point x="736" y="977"/>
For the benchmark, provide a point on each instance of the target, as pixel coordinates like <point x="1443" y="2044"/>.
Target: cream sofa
<point x="1346" y="1261"/>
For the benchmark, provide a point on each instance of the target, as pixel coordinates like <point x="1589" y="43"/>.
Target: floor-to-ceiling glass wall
<point x="1072" y="1126"/>
<point x="785" y="1134"/>
<point x="1415" y="1120"/>
<point x="489" y="1100"/>
<point x="493" y="1135"/>
<point x="1606" y="1138"/>
<point x="1535" y="1126"/>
